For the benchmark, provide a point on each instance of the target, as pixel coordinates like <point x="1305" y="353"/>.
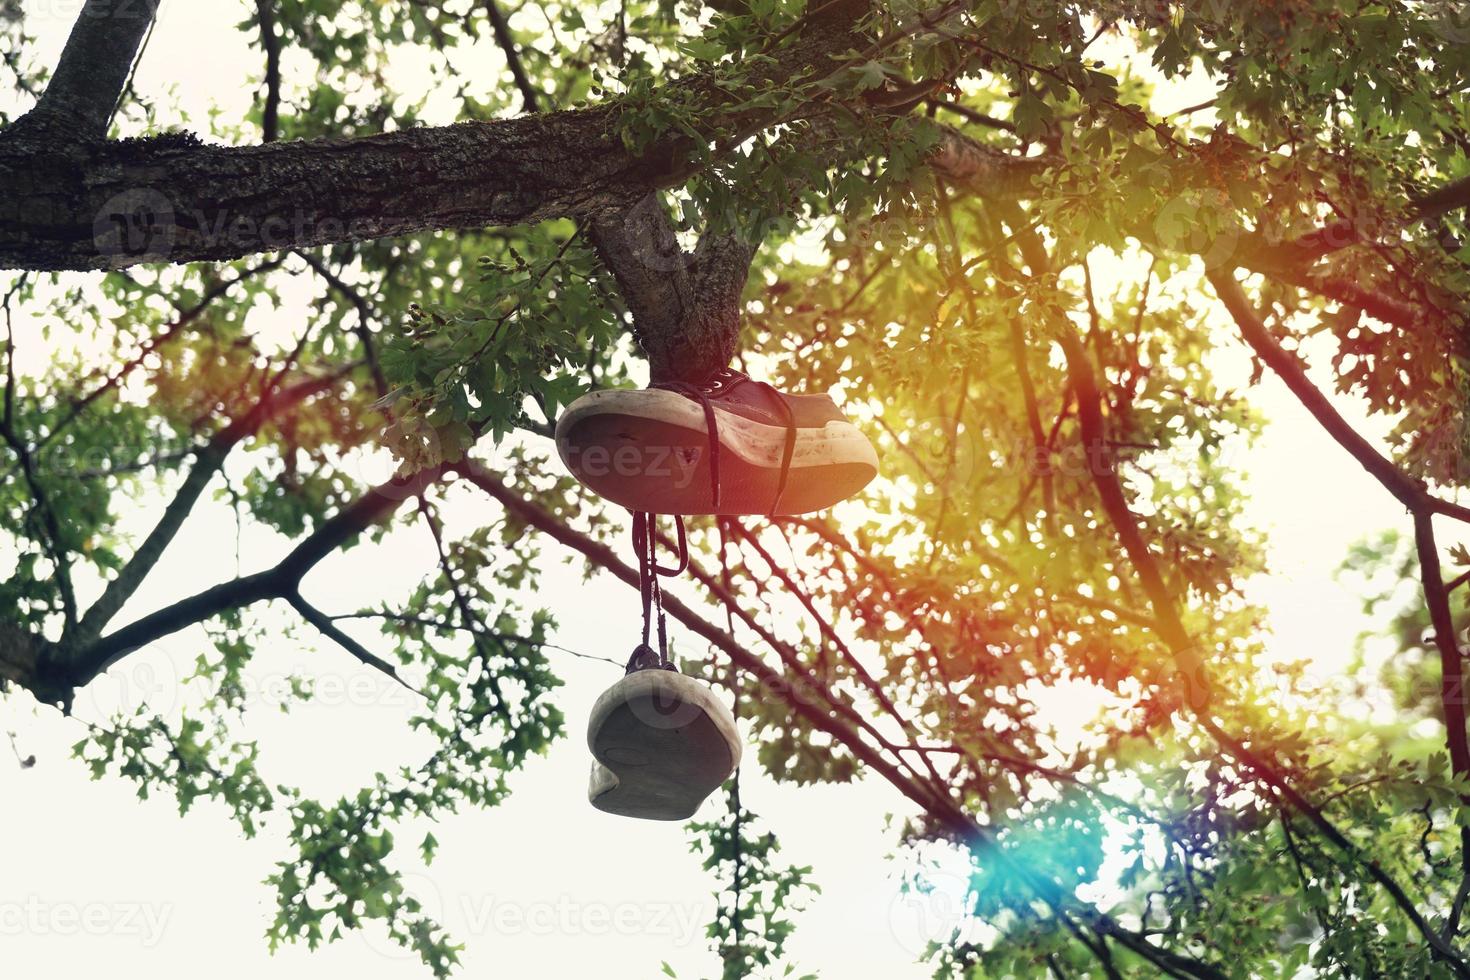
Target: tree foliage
<point x="995" y="229"/>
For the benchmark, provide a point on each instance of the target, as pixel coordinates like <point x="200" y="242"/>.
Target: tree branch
<point x="503" y="37"/>
<point x="209" y="460"/>
<point x="1451" y="662"/>
<point x="825" y="720"/>
<point x="50" y="528"/>
<point x="684" y="316"/>
<point x="947" y="814"/>
<point x="277" y="582"/>
<point x="324" y="624"/>
<point x="359" y="302"/>
<point x="84" y="90"/>
<point x="265" y="15"/>
<point x="1171" y="627"/>
<point x="173" y="199"/>
<point x="1286" y="366"/>
<point x="184" y="320"/>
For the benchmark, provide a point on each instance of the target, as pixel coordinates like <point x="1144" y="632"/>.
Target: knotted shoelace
<point x="645" y="546"/>
<point x="719" y="383"/>
<point x="645" y="528"/>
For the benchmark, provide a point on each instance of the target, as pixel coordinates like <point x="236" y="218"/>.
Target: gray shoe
<point x="661" y="742"/>
<point x="727" y="446"/>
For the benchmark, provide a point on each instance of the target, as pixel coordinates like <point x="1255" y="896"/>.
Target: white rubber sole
<point x="755" y="442"/>
<point x="661" y="743"/>
<point x="648" y="450"/>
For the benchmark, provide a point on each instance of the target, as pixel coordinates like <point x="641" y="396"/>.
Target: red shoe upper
<point x="736" y="393"/>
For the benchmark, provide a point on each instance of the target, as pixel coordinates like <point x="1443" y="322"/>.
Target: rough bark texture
<point x="686" y="306"/>
<point x="983" y="170"/>
<point x="80" y="203"/>
<point x="174" y="199"/>
<point x="27" y="661"/>
<point x="71" y="200"/>
<point x="80" y="98"/>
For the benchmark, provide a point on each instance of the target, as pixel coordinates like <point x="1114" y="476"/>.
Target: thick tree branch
<point x="978" y="169"/>
<point x="277" y="582"/>
<point x="684" y="314"/>
<point x="209" y="460"/>
<point x="84" y="90"/>
<point x="639" y="247"/>
<point x="172" y="199"/>
<point x="1408" y="491"/>
<point x="685" y="317"/>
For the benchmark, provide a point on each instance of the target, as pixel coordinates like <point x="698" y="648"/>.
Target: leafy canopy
<point x="1028" y="359"/>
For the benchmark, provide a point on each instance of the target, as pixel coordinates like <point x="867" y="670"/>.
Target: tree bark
<point x="175" y="199"/>
<point x="82" y="95"/>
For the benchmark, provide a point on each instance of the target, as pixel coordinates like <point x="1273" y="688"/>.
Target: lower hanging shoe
<point x="662" y="742"/>
<point x="726" y="446"/>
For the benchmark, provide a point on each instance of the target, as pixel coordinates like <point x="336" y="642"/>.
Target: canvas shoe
<point x="661" y="743"/>
<point x="728" y="446"/>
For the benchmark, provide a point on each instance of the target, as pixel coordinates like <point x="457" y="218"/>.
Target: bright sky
<point x="93" y="880"/>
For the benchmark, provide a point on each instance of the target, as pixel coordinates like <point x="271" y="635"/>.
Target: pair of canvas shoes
<point x="661" y="741"/>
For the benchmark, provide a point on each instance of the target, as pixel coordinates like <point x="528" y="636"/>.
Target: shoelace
<point x="721" y="382"/>
<point x="645" y="528"/>
<point x="645" y="546"/>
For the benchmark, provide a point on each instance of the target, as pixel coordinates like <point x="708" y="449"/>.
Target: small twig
<point x="327" y="628"/>
<point x="1207" y="104"/>
<point x="1452" y="925"/>
<point x="1457" y="581"/>
<point x="446" y="625"/>
<point x="503" y="37"/>
<point x="25" y="762"/>
<point x="974" y="116"/>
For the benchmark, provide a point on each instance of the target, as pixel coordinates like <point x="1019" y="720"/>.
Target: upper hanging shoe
<point x="728" y="445"/>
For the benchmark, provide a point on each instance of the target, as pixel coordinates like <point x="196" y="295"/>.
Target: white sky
<point x="94" y="880"/>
